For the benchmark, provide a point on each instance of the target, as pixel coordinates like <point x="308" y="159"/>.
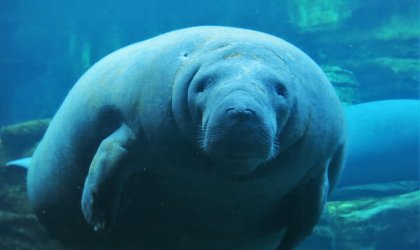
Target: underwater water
<point x="369" y="50"/>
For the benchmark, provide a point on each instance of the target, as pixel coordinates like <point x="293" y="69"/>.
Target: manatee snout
<point x="240" y="108"/>
<point x="240" y="113"/>
<point x="239" y="129"/>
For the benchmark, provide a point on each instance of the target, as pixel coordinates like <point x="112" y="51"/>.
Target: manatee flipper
<point x="308" y="201"/>
<point x="336" y="167"/>
<point x="108" y="172"/>
<point x="23" y="162"/>
<point x="306" y="204"/>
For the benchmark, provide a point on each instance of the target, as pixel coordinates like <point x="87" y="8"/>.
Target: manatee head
<point x="235" y="103"/>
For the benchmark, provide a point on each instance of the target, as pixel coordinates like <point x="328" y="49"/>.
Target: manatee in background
<point x="201" y="138"/>
<point x="383" y="142"/>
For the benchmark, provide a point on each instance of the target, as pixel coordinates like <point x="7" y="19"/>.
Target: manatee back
<point x="383" y="142"/>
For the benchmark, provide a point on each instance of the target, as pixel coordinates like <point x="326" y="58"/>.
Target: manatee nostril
<point x="240" y="113"/>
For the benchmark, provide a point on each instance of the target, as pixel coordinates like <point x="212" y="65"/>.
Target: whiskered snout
<point x="240" y="113"/>
<point x="239" y="134"/>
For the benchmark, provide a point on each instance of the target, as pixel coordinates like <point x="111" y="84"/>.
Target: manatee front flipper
<point x="305" y="206"/>
<point x="308" y="201"/>
<point x="107" y="176"/>
<point x="23" y="162"/>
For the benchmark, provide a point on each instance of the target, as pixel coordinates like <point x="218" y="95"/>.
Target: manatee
<point x="201" y="138"/>
<point x="384" y="142"/>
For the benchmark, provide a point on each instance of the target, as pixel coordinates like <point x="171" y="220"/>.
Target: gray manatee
<point x="384" y="142"/>
<point x="201" y="138"/>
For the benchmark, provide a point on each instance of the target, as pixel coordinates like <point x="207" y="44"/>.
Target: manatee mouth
<point x="235" y="164"/>
<point x="228" y="150"/>
<point x="235" y="157"/>
<point x="237" y="148"/>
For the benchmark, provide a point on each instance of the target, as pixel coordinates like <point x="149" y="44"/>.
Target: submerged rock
<point x="374" y="190"/>
<point x="395" y="77"/>
<point x="19" y="140"/>
<point x="19" y="227"/>
<point x="319" y="15"/>
<point x="374" y="223"/>
<point x="377" y="41"/>
<point x="345" y="84"/>
<point x="386" y="223"/>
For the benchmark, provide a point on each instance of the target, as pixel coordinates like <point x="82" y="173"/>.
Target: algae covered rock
<point x="384" y="223"/>
<point x="374" y="190"/>
<point x="319" y="15"/>
<point x="361" y="20"/>
<point x="378" y="41"/>
<point x="19" y="227"/>
<point x="19" y="140"/>
<point x="345" y="84"/>
<point x="375" y="223"/>
<point x="394" y="77"/>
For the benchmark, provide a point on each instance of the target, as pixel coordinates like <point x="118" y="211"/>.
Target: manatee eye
<point x="202" y="85"/>
<point x="280" y="89"/>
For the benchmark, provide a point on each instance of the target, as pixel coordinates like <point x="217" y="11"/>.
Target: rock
<point x="394" y="77"/>
<point x="401" y="25"/>
<point x="377" y="41"/>
<point x="3" y="155"/>
<point x="373" y="223"/>
<point x="360" y="20"/>
<point x="344" y="82"/>
<point x="19" y="140"/>
<point x="19" y="227"/>
<point x="319" y="15"/>
<point x="374" y="190"/>
<point x="386" y="223"/>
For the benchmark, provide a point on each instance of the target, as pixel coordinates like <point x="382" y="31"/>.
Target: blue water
<point x="45" y="46"/>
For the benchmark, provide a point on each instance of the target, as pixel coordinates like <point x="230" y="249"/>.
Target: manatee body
<point x="201" y="138"/>
<point x="383" y="142"/>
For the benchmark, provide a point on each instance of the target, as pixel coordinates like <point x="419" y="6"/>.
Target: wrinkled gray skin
<point x="202" y="138"/>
